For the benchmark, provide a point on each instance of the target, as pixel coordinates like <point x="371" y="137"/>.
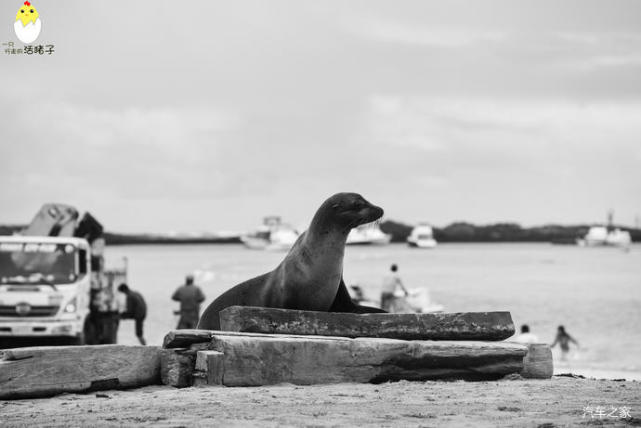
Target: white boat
<point x="273" y="235"/>
<point x="417" y="301"/>
<point x="599" y="236"/>
<point x="422" y="236"/>
<point x="368" y="234"/>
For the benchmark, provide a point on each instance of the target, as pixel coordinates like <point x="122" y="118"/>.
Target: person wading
<point x="190" y="297"/>
<point x="394" y="293"/>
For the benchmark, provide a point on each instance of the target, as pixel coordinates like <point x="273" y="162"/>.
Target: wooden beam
<point x="452" y="326"/>
<point x="177" y="366"/>
<point x="184" y="338"/>
<point x="538" y="363"/>
<point x="258" y="359"/>
<point x="49" y="370"/>
<point x="209" y="368"/>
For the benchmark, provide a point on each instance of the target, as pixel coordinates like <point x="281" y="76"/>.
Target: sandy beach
<point x="561" y="401"/>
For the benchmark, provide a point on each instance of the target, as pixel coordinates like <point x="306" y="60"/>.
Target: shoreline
<point x="599" y="374"/>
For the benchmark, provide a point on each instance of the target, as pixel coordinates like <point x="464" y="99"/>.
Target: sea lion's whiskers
<point x="372" y="224"/>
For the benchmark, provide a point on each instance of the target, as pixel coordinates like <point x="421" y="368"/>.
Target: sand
<point x="560" y="401"/>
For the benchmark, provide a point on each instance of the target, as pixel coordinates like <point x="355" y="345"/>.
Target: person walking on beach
<point x="135" y="309"/>
<point x="526" y="337"/>
<point x="190" y="297"/>
<point x="563" y="339"/>
<point x="393" y="292"/>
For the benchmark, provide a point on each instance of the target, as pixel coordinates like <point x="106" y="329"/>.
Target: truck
<point x="53" y="281"/>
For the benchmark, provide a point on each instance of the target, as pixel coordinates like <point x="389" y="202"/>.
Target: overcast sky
<point x="199" y="116"/>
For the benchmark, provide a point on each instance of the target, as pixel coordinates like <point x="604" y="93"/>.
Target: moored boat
<point x="368" y="234"/>
<point x="273" y="235"/>
<point x="599" y="236"/>
<point x="422" y="236"/>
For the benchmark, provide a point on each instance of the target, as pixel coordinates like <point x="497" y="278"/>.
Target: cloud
<point x="382" y="30"/>
<point x="521" y="141"/>
<point x="135" y="152"/>
<point x="584" y="51"/>
<point x="158" y="126"/>
<point x="436" y="122"/>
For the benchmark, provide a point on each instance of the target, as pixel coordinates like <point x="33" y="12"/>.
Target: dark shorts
<point x="139" y="323"/>
<point x="386" y="301"/>
<point x="188" y="321"/>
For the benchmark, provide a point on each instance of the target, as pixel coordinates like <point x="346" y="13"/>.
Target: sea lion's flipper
<point x="343" y="303"/>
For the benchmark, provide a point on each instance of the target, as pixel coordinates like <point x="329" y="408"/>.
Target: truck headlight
<point x="71" y="306"/>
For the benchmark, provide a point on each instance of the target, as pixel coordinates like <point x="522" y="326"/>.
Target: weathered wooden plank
<point x="538" y="362"/>
<point x="184" y="338"/>
<point x="195" y="339"/>
<point x="177" y="366"/>
<point x="257" y="359"/>
<point x="452" y="326"/>
<point x="209" y="368"/>
<point x="49" y="370"/>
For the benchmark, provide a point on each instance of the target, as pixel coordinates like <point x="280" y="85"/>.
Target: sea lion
<point x="311" y="275"/>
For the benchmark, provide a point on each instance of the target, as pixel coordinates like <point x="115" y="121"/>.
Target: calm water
<point x="594" y="292"/>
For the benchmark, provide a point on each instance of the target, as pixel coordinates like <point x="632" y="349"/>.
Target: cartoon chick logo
<point x="28" y="23"/>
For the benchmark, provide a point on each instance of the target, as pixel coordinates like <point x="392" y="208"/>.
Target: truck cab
<point x="45" y="285"/>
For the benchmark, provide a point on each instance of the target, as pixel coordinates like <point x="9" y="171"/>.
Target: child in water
<point x="563" y="339"/>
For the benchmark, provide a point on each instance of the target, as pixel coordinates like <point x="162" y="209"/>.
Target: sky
<point x="161" y="116"/>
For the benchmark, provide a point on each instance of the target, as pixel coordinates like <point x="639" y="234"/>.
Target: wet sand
<point x="557" y="402"/>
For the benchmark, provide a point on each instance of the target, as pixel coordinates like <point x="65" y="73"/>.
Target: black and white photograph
<point x="297" y="213"/>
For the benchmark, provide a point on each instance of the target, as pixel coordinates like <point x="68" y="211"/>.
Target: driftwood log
<point x="252" y="359"/>
<point x="177" y="366"/>
<point x="209" y="368"/>
<point x="187" y="337"/>
<point x="538" y="362"/>
<point x="451" y="326"/>
<point x="50" y="370"/>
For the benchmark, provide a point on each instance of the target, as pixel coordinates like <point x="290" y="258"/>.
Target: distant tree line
<point x="499" y="232"/>
<point x="122" y="239"/>
<point x="134" y="239"/>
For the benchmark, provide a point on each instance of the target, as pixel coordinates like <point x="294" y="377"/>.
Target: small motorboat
<point x="368" y="234"/>
<point x="422" y="236"/>
<point x="600" y="236"/>
<point x="418" y="301"/>
<point x="273" y="235"/>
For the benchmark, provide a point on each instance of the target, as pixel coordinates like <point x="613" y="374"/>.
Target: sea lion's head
<point x="350" y="210"/>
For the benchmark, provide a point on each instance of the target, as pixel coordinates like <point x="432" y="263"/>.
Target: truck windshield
<point x="37" y="263"/>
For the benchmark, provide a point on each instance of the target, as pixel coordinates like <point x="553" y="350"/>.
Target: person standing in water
<point x="563" y="339"/>
<point x="394" y="292"/>
<point x="190" y="297"/>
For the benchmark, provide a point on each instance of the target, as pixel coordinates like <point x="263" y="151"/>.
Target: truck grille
<point x="34" y="311"/>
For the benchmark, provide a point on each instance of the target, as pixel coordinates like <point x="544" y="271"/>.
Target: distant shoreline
<point x="456" y="232"/>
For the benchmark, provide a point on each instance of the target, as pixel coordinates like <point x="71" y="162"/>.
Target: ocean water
<point x="594" y="292"/>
